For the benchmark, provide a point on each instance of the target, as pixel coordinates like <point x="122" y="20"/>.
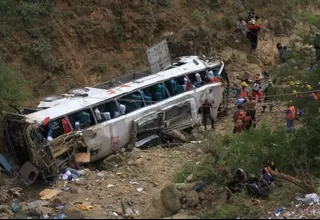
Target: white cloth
<point x="198" y="78"/>
<point x="98" y="115"/>
<point x="241" y="25"/>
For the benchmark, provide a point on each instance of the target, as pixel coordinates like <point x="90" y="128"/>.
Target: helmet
<point x="243" y="84"/>
<point x="291" y="83"/>
<point x="309" y="87"/>
<point x="241" y="114"/>
<point x="294" y="92"/>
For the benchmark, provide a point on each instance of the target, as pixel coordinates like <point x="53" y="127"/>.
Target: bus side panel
<point x="108" y="139"/>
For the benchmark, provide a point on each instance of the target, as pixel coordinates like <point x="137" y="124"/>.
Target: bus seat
<point x="137" y="99"/>
<point x="148" y="99"/>
<point x="98" y="114"/>
<point x="158" y="97"/>
<point x="85" y="119"/>
<point x="160" y="92"/>
<point x="106" y="116"/>
<point x="173" y="87"/>
<point x="122" y="109"/>
<point x="180" y="89"/>
<point x="117" y="114"/>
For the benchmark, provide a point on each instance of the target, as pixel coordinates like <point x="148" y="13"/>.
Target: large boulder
<point x="170" y="198"/>
<point x="192" y="198"/>
<point x="164" y="204"/>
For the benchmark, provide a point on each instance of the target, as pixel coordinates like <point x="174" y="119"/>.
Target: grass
<point x="241" y="205"/>
<point x="313" y="19"/>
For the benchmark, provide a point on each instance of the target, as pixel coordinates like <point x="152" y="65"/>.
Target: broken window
<point x="131" y="102"/>
<point x="106" y="111"/>
<point x="81" y="119"/>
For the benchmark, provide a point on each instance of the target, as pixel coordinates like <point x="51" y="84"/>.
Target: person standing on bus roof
<point x="206" y="113"/>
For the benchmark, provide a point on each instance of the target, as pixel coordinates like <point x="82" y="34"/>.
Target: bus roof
<point x="95" y="96"/>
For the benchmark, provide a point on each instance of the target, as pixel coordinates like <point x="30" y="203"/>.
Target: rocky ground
<point x="134" y="184"/>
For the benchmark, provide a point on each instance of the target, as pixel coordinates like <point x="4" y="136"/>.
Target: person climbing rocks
<point x="251" y="15"/>
<point x="317" y="46"/>
<point x="290" y="116"/>
<point x="242" y="27"/>
<point x="251" y="109"/>
<point x="206" y="113"/>
<point x="258" y="20"/>
<point x="253" y="31"/>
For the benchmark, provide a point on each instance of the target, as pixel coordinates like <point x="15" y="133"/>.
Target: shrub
<point x="12" y="86"/>
<point x="117" y="32"/>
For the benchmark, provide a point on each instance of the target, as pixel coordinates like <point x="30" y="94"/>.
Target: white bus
<point x="88" y="124"/>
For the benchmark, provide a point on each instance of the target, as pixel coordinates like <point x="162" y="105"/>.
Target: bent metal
<point x="87" y="124"/>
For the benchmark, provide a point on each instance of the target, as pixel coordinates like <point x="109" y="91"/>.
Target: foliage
<point x="117" y="32"/>
<point x="39" y="52"/>
<point x="12" y="86"/>
<point x="313" y="19"/>
<point x="198" y="17"/>
<point x="224" y="212"/>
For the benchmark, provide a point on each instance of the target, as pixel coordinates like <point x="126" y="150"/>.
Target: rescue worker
<point x="317" y="46"/>
<point x="290" y="116"/>
<point x="312" y="95"/>
<point x="242" y="122"/>
<point x="253" y="31"/>
<point x="206" y="113"/>
<point x="251" y="14"/>
<point x="251" y="108"/>
<point x="243" y="92"/>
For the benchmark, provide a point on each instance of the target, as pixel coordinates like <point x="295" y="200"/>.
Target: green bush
<point x="198" y="17"/>
<point x="39" y="53"/>
<point x="12" y="86"/>
<point x="117" y="32"/>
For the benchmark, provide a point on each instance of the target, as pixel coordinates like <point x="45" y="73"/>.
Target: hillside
<point x="58" y="45"/>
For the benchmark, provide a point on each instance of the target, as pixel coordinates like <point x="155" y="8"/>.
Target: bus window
<point x="177" y="85"/>
<point x="56" y="128"/>
<point x="198" y="79"/>
<point x="155" y="93"/>
<point x="106" y="111"/>
<point x="131" y="102"/>
<point x="81" y="119"/>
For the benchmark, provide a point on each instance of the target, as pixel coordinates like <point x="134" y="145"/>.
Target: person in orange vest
<point x="312" y="95"/>
<point x="290" y="116"/>
<point x="243" y="92"/>
<point x="242" y="121"/>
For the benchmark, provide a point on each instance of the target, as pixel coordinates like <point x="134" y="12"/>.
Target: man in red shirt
<point x="253" y="31"/>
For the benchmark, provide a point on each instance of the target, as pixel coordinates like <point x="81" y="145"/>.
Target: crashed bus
<point x="86" y="125"/>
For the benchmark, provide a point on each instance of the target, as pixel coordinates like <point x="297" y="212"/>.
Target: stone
<point x="74" y="214"/>
<point x="192" y="198"/>
<point x="45" y="210"/>
<point x="190" y="178"/>
<point x="202" y="196"/>
<point x="35" y="212"/>
<point x="75" y="190"/>
<point x="170" y="199"/>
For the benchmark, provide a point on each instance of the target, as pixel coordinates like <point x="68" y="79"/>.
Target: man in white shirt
<point x="242" y="27"/>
